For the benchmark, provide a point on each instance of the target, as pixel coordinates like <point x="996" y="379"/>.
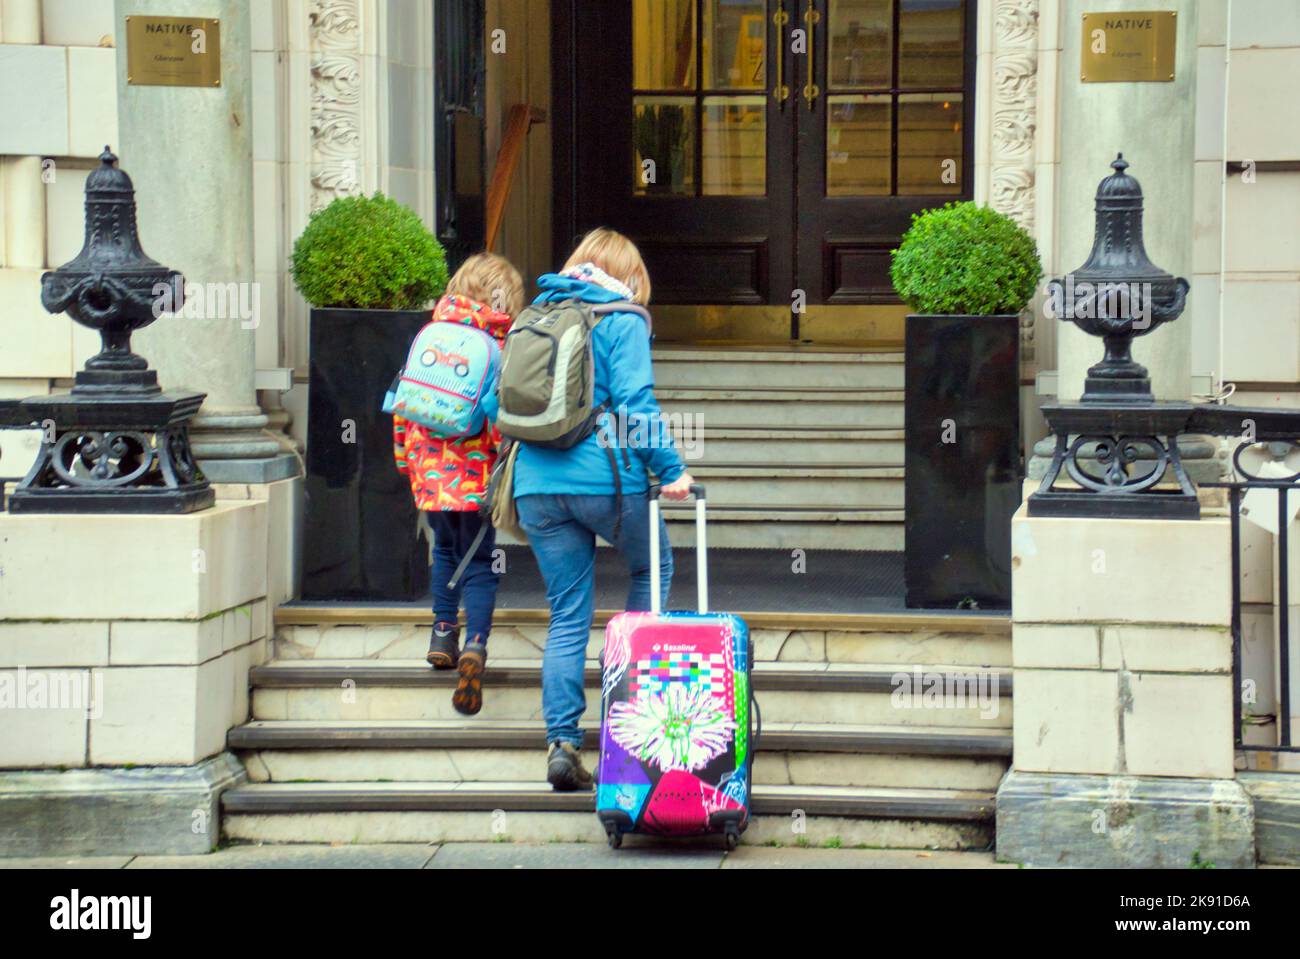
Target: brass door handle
<point x="811" y="17"/>
<point x="780" y="19"/>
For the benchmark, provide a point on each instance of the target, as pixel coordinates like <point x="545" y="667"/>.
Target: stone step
<point x="676" y="368"/>
<point x="818" y="408"/>
<point x="764" y="486"/>
<point x="793" y="525"/>
<point x="333" y="631"/>
<point x="471" y="751"/>
<point x="786" y="526"/>
<point x="430" y="812"/>
<point x="787" y="693"/>
<point x="817" y="447"/>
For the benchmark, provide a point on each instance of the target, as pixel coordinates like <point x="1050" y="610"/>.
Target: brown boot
<point x="468" y="697"/>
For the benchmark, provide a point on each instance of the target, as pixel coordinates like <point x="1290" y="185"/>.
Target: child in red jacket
<point x="449" y="480"/>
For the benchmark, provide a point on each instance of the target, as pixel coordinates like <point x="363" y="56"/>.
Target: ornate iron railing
<point x="1236" y="490"/>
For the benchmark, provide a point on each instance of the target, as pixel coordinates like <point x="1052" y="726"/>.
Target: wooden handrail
<point x="518" y="121"/>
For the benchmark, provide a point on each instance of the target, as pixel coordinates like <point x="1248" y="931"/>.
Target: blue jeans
<point x="453" y="533"/>
<point x="562" y="531"/>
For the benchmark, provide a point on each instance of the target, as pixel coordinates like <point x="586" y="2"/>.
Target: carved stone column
<point x="337" y="48"/>
<point x="1010" y="127"/>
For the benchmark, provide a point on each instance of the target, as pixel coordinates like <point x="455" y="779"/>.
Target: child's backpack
<point x="449" y="370"/>
<point x="547" y="372"/>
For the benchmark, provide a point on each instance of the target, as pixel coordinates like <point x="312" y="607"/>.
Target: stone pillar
<point x="20" y="21"/>
<point x="189" y="151"/>
<point x="1123" y="730"/>
<point x="1154" y="125"/>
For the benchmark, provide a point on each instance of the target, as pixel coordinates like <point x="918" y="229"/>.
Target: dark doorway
<point x="744" y="177"/>
<point x="460" y="160"/>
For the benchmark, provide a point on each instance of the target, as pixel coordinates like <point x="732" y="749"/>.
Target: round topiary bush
<point x="368" y="253"/>
<point x="965" y="259"/>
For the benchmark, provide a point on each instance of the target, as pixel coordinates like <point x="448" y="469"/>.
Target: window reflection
<point x="663" y="44"/>
<point x="860" y="34"/>
<point x="857" y="145"/>
<point x="930" y="144"/>
<point x="729" y="130"/>
<point x="663" y="132"/>
<point x="895" y="132"/>
<point x="735" y="44"/>
<point x="735" y="146"/>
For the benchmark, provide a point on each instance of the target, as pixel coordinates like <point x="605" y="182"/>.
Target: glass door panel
<point x="931" y="44"/>
<point x="735" y="44"/>
<point x="663" y="44"/>
<point x="721" y="128"/>
<point x="663" y="134"/>
<point x="861" y="51"/>
<point x="735" y="146"/>
<point x="930" y="131"/>
<point x="857" y="145"/>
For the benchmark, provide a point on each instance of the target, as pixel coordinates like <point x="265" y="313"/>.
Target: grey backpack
<point x="547" y="372"/>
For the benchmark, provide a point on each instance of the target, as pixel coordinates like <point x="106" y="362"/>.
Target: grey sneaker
<point x="444" y="646"/>
<point x="564" y="769"/>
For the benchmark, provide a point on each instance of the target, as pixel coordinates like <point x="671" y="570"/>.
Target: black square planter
<point x="962" y="460"/>
<point x="359" y="537"/>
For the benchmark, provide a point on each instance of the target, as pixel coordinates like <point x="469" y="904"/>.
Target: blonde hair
<point x="616" y="255"/>
<point x="492" y="280"/>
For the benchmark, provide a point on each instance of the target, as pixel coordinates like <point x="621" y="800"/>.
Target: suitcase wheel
<point x="614" y="837"/>
<point x="731" y="837"/>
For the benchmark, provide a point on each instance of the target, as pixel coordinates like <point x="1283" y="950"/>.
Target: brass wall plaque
<point x="1131" y="46"/>
<point x="173" y="51"/>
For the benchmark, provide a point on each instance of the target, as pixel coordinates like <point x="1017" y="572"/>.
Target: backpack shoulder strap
<point x="624" y="306"/>
<point x="508" y="450"/>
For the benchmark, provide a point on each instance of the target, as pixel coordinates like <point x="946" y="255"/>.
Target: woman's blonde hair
<point x="616" y="255"/>
<point x="492" y="280"/>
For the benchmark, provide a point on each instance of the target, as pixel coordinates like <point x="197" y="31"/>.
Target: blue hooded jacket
<point x="623" y="381"/>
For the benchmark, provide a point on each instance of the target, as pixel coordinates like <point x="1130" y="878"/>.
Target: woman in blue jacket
<point x="566" y="498"/>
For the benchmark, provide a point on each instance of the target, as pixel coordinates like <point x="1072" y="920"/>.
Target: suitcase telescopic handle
<point x="701" y="550"/>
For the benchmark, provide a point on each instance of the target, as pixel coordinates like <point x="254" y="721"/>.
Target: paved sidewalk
<point x="529" y="856"/>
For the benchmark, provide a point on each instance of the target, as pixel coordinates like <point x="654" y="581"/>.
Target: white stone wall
<point x="1248" y="227"/>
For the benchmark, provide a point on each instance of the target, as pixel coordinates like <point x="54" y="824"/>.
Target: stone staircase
<point x="353" y="738"/>
<point x="799" y="448"/>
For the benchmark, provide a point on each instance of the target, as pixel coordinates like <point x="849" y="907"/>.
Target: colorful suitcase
<point x="677" y="733"/>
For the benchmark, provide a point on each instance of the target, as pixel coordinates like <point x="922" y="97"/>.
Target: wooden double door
<point x="761" y="151"/>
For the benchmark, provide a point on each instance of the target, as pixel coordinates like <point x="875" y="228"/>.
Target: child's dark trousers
<point x="453" y="534"/>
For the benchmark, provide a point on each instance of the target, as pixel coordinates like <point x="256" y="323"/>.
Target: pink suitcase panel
<point x="675" y="736"/>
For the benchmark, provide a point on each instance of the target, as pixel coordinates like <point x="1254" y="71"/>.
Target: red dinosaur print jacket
<point x="451" y="475"/>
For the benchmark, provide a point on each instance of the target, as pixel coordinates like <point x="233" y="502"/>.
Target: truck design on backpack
<point x="448" y="371"/>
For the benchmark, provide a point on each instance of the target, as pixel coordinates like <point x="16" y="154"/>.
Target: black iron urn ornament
<point x="1118" y="293"/>
<point x="116" y="443"/>
<point x="112" y="286"/>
